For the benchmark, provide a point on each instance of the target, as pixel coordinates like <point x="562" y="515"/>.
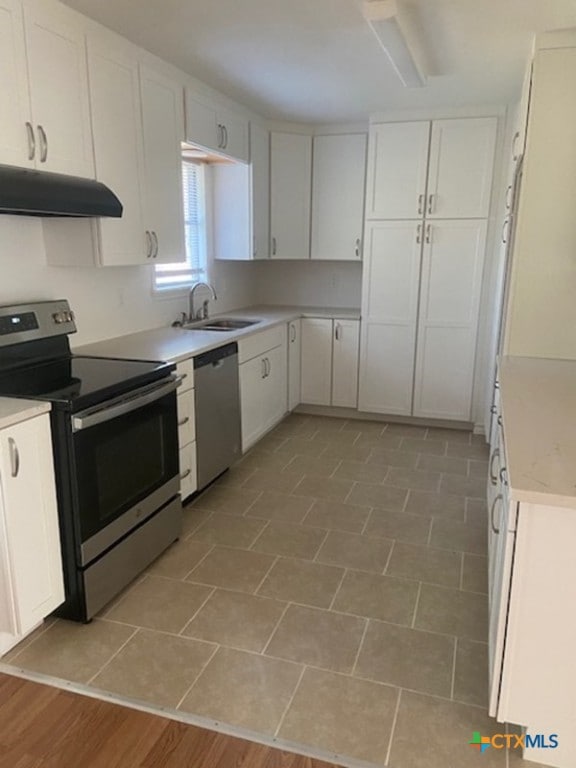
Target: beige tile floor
<point x="330" y="590"/>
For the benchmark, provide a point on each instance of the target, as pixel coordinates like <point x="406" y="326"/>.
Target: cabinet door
<point x="461" y="162"/>
<point x="231" y="214"/>
<point x="16" y="139"/>
<point x="275" y="386"/>
<point x="116" y="120"/>
<point x="294" y="364"/>
<point x="346" y="338"/>
<point x="201" y="123"/>
<point x="316" y="359"/>
<point x="397" y="168"/>
<point x="290" y="168"/>
<point x="338" y="182"/>
<point x="252" y="375"/>
<point x="448" y="318"/>
<point x="162" y="123"/>
<point x="31" y="512"/>
<point x="56" y="49"/>
<point x="502" y="519"/>
<point x="389" y="314"/>
<point x="234" y="137"/>
<point x="260" y="170"/>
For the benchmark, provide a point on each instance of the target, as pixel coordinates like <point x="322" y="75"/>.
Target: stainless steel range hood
<point x="27" y="192"/>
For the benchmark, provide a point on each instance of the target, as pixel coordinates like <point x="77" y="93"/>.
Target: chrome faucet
<point x="202" y="313"/>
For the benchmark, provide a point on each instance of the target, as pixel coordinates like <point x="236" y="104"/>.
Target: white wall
<point x="108" y="302"/>
<point x="309" y="283"/>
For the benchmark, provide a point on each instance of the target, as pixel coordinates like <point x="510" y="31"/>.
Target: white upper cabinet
<point x="397" y="168"/>
<point x="215" y="128"/>
<point x="290" y="169"/>
<point x="260" y="170"/>
<point x="163" y="124"/>
<point x="391" y="278"/>
<point x="338" y="182"/>
<point x="461" y="161"/>
<point x="16" y="130"/>
<point x="231" y="214"/>
<point x="119" y="154"/>
<point x="44" y="104"/>
<point x="452" y="264"/>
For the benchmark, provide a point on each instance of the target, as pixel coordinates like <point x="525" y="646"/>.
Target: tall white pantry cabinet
<point x="428" y="197"/>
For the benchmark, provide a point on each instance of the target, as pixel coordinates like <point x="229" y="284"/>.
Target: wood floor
<point x="45" y="727"/>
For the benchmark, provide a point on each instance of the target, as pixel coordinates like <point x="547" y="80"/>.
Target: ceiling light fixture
<point x="389" y="22"/>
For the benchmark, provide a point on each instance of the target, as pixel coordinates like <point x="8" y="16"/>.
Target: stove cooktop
<point x="74" y="383"/>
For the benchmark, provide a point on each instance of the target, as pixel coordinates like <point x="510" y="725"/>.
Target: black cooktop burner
<point x="75" y="382"/>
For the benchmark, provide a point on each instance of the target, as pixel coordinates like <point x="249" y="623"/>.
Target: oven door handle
<point x="146" y="395"/>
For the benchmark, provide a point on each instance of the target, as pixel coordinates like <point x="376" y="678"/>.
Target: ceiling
<point x="317" y="60"/>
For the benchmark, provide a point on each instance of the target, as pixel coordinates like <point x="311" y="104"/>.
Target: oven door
<point x="126" y="462"/>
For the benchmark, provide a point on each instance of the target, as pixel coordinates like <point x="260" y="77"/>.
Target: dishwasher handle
<point x="216" y="357"/>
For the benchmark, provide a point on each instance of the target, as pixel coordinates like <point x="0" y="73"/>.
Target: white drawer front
<point x="188" y="482"/>
<point x="185" y="369"/>
<point x="261" y="342"/>
<point x="186" y="418"/>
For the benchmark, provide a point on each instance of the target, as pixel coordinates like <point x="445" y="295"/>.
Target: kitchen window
<point x="169" y="277"/>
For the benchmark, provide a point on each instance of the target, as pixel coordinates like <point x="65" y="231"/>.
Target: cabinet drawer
<point x="188" y="483"/>
<point x="186" y="418"/>
<point x="185" y="369"/>
<point x="261" y="342"/>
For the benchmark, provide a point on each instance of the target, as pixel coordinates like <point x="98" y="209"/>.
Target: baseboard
<point x="352" y="413"/>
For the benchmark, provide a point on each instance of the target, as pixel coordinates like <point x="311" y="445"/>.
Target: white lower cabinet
<point x="329" y="359"/>
<point x="421" y="298"/>
<point x="31" y="580"/>
<point x="263" y="385"/>
<point x="187" y="429"/>
<point x="294" y="363"/>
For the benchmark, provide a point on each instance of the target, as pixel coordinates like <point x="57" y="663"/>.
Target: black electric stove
<point x="115" y="446"/>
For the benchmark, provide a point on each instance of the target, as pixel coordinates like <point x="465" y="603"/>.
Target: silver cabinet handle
<point x="225" y="133"/>
<point x="493" y="475"/>
<point x="515" y="154"/>
<point x="499" y="421"/>
<point x="493" y="410"/>
<point x="14" y="457"/>
<point x="357" y="248"/>
<point x="183" y="421"/>
<point x="219" y="136"/>
<point x="431" y="199"/>
<point x="268" y="367"/>
<point x="500" y="499"/>
<point x="273" y="246"/>
<point x="429" y="233"/>
<point x="148" y="244"/>
<point x="31" y="141"/>
<point x="185" y="474"/>
<point x="504" y="476"/>
<point x="496" y="384"/>
<point x="420" y="205"/>
<point x="509" y="197"/>
<point x="43" y="144"/>
<point x="505" y="230"/>
<point x="337" y="330"/>
<point x="419" y="234"/>
<point x="292" y="333"/>
<point x="155" y="242"/>
<point x="263" y="367"/>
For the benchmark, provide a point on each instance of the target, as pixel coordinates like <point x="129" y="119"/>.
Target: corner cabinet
<point x="338" y="182"/>
<point x="290" y="184"/>
<point x="31" y="581"/>
<point x="329" y="359"/>
<point x="44" y="103"/>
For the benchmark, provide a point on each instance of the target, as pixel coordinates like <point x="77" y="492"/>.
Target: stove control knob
<point x="58" y="317"/>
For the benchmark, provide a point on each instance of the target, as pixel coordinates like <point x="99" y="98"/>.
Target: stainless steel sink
<point x="225" y="324"/>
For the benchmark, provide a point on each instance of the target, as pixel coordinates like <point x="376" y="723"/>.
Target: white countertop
<point x="538" y="402"/>
<point x="175" y="344"/>
<point x="13" y="411"/>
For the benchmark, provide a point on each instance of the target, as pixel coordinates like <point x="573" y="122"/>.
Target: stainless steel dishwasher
<point x="217" y="400"/>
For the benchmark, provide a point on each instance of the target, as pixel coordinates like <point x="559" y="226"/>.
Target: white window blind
<point x="184" y="274"/>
